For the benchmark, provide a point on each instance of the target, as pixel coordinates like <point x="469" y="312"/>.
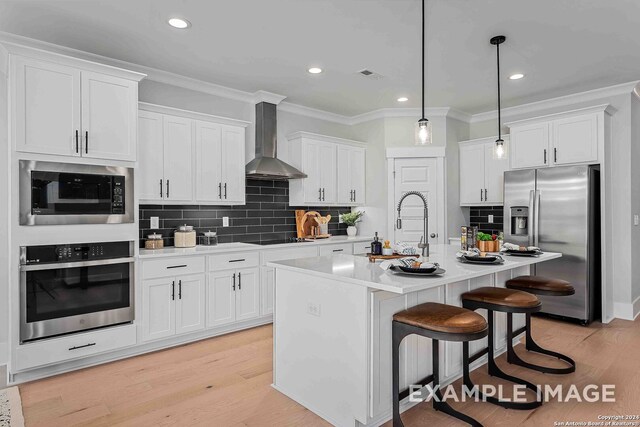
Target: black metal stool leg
<point x="438" y="403"/>
<point x="495" y="371"/>
<point x="396" y="341"/>
<point x="531" y="345"/>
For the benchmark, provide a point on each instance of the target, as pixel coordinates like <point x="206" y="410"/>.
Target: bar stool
<point x="537" y="285"/>
<point x="438" y="322"/>
<point x="506" y="301"/>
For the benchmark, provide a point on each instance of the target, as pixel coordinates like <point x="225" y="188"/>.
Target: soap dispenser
<point x="376" y="246"/>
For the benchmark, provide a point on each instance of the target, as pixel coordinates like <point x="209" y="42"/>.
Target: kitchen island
<point x="332" y="329"/>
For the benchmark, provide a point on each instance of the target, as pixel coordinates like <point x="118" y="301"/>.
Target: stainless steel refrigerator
<point x="558" y="210"/>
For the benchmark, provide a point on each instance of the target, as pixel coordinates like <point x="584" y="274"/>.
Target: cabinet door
<point x="267" y="296"/>
<point x="247" y="294"/>
<point x="233" y="162"/>
<point x="345" y="187"/>
<point x="530" y="146"/>
<point x="208" y="161"/>
<point x="109" y="117"/>
<point x="149" y="175"/>
<point x="310" y="162"/>
<point x="47" y="107"/>
<point x="178" y="159"/>
<point x="158" y="308"/>
<point x="494" y="169"/>
<point x="357" y="168"/>
<point x="327" y="166"/>
<point x="471" y="174"/>
<point x="190" y="307"/>
<point x="575" y="140"/>
<point x="221" y="298"/>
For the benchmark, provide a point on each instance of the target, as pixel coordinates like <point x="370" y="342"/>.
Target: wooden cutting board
<point x="304" y="222"/>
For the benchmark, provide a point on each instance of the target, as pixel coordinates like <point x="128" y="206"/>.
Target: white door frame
<point x="414" y="153"/>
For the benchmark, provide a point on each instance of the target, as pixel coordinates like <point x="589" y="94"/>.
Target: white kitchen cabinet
<point x="481" y="172"/>
<point x="234" y="295"/>
<point x="573" y="137"/>
<point x="178" y="156"/>
<point x="335" y="171"/>
<point x="247" y="294"/>
<point x="351" y="175"/>
<point x="150" y="172"/>
<point x="69" y="110"/>
<point x="172" y="306"/>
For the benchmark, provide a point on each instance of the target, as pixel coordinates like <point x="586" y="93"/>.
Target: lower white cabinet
<point x="172" y="305"/>
<point x="233" y="295"/>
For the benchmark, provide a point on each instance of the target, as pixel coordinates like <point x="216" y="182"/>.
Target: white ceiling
<point x="563" y="46"/>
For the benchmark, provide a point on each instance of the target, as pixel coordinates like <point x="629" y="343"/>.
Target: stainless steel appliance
<point x="65" y="193"/>
<point x="558" y="210"/>
<point x="74" y="287"/>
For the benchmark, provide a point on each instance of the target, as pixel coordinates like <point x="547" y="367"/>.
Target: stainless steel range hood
<point x="266" y="165"/>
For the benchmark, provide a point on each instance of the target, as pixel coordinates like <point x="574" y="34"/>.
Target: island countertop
<point x="359" y="271"/>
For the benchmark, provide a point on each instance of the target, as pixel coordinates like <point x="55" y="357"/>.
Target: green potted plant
<point x="351" y="218"/>
<point x="488" y="242"/>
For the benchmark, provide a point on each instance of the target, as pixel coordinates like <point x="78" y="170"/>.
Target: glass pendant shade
<point x="423" y="132"/>
<point x="499" y="148"/>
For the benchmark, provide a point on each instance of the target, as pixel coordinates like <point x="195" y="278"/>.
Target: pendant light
<point x="423" y="129"/>
<point x="499" y="147"/>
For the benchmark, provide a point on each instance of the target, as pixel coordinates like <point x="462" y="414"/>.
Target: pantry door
<point x="425" y="176"/>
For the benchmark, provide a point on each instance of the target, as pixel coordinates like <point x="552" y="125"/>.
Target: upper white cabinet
<point x="66" y="107"/>
<point x="481" y="172"/>
<point x="573" y="137"/>
<point x="186" y="159"/>
<point x="335" y="170"/>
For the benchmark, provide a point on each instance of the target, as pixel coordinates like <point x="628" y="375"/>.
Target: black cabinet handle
<point x="161" y="188"/>
<point x="239" y="280"/>
<point x="545" y="156"/>
<point x="176" y="266"/>
<point x="338" y="250"/>
<point x="77" y="347"/>
<point x="234" y="281"/>
<point x="167" y="189"/>
<point x="323" y="194"/>
<point x="555" y="155"/>
<point x="485" y="195"/>
<point x="354" y="195"/>
<point x="179" y="289"/>
<point x="86" y="142"/>
<point x="173" y="290"/>
<point x="77" y="143"/>
<point x="481" y="199"/>
<point x="320" y="194"/>
<point x="225" y="190"/>
<point x="219" y="190"/>
<point x="236" y="260"/>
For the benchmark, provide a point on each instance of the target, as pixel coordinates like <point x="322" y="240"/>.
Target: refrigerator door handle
<point x="531" y="216"/>
<point x="536" y="218"/>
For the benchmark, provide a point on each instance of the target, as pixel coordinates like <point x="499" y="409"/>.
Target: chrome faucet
<point x="424" y="242"/>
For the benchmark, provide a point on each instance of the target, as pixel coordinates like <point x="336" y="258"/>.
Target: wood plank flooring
<point x="225" y="381"/>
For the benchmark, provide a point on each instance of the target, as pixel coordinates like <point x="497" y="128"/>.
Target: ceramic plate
<point x="418" y="271"/>
<point x="497" y="261"/>
<point x="523" y="253"/>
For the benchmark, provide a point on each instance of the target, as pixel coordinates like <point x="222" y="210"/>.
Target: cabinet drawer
<point x="289" y="253"/>
<point x="342" y="248"/>
<point x="234" y="260"/>
<point x="56" y="350"/>
<point x="172" y="266"/>
<point x="361" y="248"/>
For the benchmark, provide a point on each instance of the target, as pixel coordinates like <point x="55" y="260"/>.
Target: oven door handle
<point x="58" y="266"/>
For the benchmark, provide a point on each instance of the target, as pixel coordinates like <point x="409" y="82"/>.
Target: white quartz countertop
<point x="171" y="251"/>
<point x="359" y="271"/>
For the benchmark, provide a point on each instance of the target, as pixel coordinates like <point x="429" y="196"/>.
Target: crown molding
<point x="384" y="113"/>
<point x="162" y="109"/>
<point x="606" y="108"/>
<point x="264" y="96"/>
<point x="315" y="113"/>
<point x="561" y="101"/>
<point x="325" y="138"/>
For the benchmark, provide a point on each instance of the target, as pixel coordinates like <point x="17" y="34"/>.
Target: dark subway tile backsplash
<point x="479" y="217"/>
<point x="265" y="216"/>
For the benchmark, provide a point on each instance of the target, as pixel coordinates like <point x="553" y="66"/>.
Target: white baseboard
<point x="626" y="311"/>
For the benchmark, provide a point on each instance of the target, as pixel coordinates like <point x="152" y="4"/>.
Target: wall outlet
<point x="225" y="221"/>
<point x="340" y="221"/>
<point x="636" y="219"/>
<point x="490" y="219"/>
<point x="313" y="309"/>
<point x="155" y="222"/>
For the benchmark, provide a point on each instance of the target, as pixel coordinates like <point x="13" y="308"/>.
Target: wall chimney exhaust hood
<point x="266" y="165"/>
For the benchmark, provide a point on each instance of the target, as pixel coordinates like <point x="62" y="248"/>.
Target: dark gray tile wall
<point x="265" y="216"/>
<point x="479" y="217"/>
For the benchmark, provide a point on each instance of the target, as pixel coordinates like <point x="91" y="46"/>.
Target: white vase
<point x="352" y="231"/>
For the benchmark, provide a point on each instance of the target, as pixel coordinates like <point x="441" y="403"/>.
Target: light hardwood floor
<point x="225" y="381"/>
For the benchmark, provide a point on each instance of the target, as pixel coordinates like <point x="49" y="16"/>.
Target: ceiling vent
<point x="370" y="74"/>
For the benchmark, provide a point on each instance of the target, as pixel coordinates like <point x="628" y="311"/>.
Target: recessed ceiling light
<point x="315" y="70"/>
<point x="179" y="23"/>
<point x="403" y="99"/>
<point x="516" y="76"/>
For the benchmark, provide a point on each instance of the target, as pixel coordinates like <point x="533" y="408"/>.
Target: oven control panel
<point x="75" y="252"/>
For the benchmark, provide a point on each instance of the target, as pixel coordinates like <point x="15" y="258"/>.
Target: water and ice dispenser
<point x="519" y="220"/>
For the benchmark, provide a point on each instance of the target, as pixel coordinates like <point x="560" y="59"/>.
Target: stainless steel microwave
<point x="67" y="193"/>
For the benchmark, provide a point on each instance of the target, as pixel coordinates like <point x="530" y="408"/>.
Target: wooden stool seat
<point x="502" y="297"/>
<point x="442" y="318"/>
<point x="541" y="285"/>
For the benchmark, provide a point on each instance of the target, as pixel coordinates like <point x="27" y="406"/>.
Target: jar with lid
<point x="154" y="241"/>
<point x="209" y="238"/>
<point x="185" y="237"/>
